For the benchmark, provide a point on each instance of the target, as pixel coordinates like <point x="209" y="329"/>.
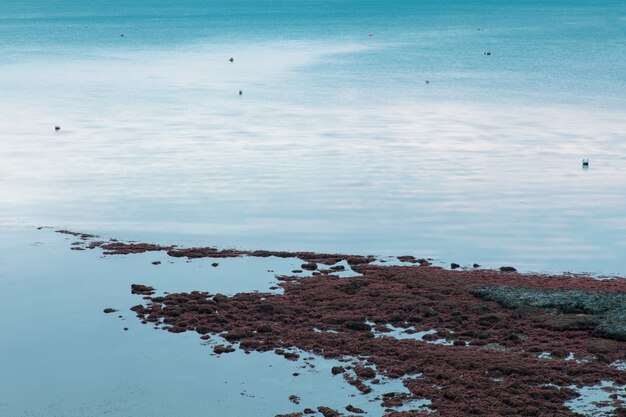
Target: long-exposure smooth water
<point x="445" y="129"/>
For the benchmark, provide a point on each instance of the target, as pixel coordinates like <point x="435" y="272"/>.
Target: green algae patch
<point x="603" y="313"/>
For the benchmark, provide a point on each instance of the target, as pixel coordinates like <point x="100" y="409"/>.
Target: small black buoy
<point x="240" y="92"/>
<point x="232" y="59"/>
<point x="57" y="128"/>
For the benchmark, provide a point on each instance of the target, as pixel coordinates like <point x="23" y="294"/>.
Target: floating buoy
<point x="585" y="162"/>
<point x="232" y="59"/>
<point x="57" y="128"/>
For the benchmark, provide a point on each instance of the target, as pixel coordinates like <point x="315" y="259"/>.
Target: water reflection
<point x="451" y="181"/>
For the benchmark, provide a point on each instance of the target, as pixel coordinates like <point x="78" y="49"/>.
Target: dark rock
<point x="266" y="308"/>
<point x="358" y="325"/>
<point x="364" y="372"/>
<point x="264" y="328"/>
<point x="141" y="289"/>
<point x="219" y="349"/>
<point x="336" y="370"/>
<point x="328" y="412"/>
<point x="355" y="410"/>
<point x="110" y="310"/>
<point x="489" y="319"/>
<point x="309" y="266"/>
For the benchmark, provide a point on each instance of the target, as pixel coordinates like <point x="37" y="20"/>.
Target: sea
<point x="445" y="129"/>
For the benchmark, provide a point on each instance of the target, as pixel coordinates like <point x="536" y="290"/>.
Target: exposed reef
<point x="115" y="247"/>
<point x="496" y="365"/>
<point x="491" y="343"/>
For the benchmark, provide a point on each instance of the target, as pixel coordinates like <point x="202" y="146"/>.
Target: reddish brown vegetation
<point x="492" y="369"/>
<point x="497" y="373"/>
<point x="141" y="289"/>
<point x="83" y="236"/>
<point x="115" y="247"/>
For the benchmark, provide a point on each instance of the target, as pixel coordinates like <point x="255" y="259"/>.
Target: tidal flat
<point x="489" y="342"/>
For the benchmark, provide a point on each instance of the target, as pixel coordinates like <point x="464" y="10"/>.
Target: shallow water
<point x="62" y="356"/>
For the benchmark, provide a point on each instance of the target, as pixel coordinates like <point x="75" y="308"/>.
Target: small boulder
<point x="309" y="266"/>
<point x="336" y="370"/>
<point x="354" y="409"/>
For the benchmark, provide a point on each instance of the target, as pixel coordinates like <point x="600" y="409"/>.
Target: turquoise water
<point x="337" y="143"/>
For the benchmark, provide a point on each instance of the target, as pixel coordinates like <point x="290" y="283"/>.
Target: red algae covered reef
<point x="115" y="247"/>
<point x="492" y="368"/>
<point x="514" y="344"/>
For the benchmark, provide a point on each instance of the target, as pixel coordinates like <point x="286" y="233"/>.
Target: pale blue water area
<point x="337" y="144"/>
<point x="62" y="356"/>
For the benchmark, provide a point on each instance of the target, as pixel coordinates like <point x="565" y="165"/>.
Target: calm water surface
<point x="336" y="144"/>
